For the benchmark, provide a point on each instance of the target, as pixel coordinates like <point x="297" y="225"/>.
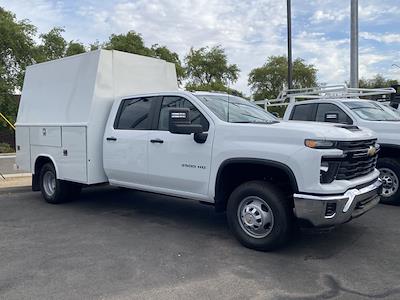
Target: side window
<point x="134" y="114"/>
<point x="303" y="112"/>
<point x="324" y="108"/>
<point x="178" y="102"/>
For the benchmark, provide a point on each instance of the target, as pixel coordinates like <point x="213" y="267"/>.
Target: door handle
<point x="157" y="141"/>
<point x="111" y="138"/>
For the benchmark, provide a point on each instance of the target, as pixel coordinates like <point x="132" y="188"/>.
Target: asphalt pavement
<point x="121" y="244"/>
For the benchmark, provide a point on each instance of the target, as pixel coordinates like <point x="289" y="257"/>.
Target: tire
<point x="258" y="202"/>
<point x="53" y="190"/>
<point x="390" y="176"/>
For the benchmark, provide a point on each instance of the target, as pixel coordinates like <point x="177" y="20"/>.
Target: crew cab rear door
<point x="126" y="141"/>
<point x="179" y="165"/>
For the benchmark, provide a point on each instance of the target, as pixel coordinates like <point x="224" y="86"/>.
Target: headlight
<point x="320" y="144"/>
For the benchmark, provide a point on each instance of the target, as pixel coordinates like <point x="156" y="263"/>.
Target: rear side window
<point x="135" y="114"/>
<point x="324" y="108"/>
<point x="168" y="102"/>
<point x="303" y="112"/>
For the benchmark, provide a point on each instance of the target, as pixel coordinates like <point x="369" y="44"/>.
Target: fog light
<point x="330" y="210"/>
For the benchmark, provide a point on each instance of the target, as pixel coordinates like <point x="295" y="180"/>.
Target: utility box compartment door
<point x="23" y="149"/>
<point x="73" y="159"/>
<point x="45" y="136"/>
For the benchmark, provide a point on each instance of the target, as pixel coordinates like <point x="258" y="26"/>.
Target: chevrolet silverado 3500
<point x="117" y="118"/>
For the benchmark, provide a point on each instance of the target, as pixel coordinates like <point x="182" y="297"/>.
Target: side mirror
<point x="179" y="122"/>
<point x="332" y="117"/>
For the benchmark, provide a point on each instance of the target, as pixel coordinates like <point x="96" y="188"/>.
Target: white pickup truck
<point x="117" y="118"/>
<point x="382" y="119"/>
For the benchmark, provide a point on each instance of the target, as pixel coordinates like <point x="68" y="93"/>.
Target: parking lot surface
<point x="121" y="244"/>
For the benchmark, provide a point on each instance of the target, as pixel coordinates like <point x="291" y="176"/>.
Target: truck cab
<point x="226" y="150"/>
<point x="381" y="118"/>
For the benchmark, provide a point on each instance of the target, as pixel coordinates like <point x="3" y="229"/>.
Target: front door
<point x="178" y="164"/>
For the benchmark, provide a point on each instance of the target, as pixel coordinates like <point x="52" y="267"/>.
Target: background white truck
<point x="349" y="109"/>
<point x="112" y="117"/>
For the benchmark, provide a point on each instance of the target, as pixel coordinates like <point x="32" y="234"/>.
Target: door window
<point x="304" y="112"/>
<point x="324" y="108"/>
<point x="135" y="114"/>
<point x="168" y="102"/>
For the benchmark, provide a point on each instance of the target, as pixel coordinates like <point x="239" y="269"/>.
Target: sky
<point x="249" y="30"/>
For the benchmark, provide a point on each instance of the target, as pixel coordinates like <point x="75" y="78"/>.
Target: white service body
<point x="65" y="105"/>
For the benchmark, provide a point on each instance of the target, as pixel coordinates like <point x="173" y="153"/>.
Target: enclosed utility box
<point x="65" y="106"/>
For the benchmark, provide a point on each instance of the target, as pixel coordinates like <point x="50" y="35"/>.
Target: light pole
<point x="354" y="44"/>
<point x="289" y="44"/>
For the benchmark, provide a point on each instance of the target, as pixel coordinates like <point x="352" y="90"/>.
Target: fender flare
<point x="264" y="162"/>
<point x="35" y="177"/>
<point x="46" y="156"/>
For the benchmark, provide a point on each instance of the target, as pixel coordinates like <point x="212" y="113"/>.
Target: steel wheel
<point x="255" y="217"/>
<point x="390" y="182"/>
<point x="49" y="183"/>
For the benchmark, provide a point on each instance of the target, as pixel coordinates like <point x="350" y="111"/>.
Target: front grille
<point x="358" y="159"/>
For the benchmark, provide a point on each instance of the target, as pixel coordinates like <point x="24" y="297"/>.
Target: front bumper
<point x="318" y="210"/>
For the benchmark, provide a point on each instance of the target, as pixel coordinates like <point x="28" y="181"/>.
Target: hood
<point x="310" y="130"/>
<point x="383" y="126"/>
<point x="386" y="131"/>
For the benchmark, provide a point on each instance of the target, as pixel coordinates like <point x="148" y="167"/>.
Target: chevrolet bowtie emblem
<point x="371" y="151"/>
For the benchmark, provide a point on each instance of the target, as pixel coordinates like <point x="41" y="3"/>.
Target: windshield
<point x="235" y="109"/>
<point x="372" y="111"/>
<point x="390" y="109"/>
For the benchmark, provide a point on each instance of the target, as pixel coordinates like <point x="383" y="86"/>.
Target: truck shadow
<point x="172" y="212"/>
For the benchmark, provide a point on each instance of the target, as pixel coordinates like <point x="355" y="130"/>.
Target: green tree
<point x="377" y="82"/>
<point x="267" y="81"/>
<point x="164" y="53"/>
<point x="74" y="48"/>
<point x="208" y="69"/>
<point x="16" y="45"/>
<point x="95" y="46"/>
<point x="131" y="42"/>
<point x="53" y="45"/>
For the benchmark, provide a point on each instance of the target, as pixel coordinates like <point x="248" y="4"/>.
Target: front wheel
<point x="259" y="215"/>
<point x="390" y="175"/>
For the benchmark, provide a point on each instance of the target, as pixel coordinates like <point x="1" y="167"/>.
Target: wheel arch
<point x="389" y="150"/>
<point x="226" y="181"/>
<point x="39" y="162"/>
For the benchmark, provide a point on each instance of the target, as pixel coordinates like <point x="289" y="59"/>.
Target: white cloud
<point x="386" y="38"/>
<point x="328" y="16"/>
<point x="331" y="57"/>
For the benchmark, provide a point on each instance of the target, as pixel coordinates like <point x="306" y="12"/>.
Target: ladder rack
<point x="324" y="92"/>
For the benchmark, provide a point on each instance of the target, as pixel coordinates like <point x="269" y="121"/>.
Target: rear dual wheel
<point x="56" y="191"/>
<point x="259" y="215"/>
